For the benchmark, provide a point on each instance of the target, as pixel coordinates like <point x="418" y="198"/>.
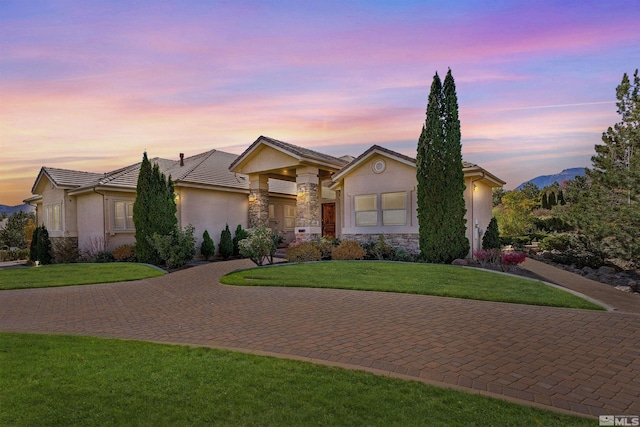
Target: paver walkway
<point x="575" y="360"/>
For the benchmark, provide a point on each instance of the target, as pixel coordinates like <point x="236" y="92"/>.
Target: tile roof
<point x="210" y="168"/>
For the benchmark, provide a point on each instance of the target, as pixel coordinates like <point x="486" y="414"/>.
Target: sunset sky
<point x="89" y="85"/>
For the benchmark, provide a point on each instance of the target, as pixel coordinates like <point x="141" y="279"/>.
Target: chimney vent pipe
<point x="181" y="159"/>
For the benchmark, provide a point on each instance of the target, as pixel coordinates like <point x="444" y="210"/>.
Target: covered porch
<point x="270" y="165"/>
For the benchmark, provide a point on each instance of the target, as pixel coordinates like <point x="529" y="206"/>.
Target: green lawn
<point x="425" y="279"/>
<point x="74" y="274"/>
<point x="65" y="381"/>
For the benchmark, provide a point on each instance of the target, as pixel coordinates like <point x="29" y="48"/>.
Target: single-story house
<point x="300" y="193"/>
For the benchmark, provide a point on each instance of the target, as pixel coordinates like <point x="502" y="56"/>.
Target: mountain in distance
<point x="546" y="180"/>
<point x="4" y="209"/>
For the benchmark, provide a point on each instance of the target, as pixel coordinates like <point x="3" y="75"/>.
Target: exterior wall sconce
<point x="475" y="188"/>
<point x="252" y="198"/>
<point x="300" y="194"/>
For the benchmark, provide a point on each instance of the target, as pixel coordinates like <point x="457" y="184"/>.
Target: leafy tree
<point x="14" y="234"/>
<point x="208" y="247"/>
<point x="515" y="216"/>
<point x="441" y="206"/>
<point x="225" y="248"/>
<point x="615" y="182"/>
<point x="239" y="235"/>
<point x="491" y="238"/>
<point x="154" y="211"/>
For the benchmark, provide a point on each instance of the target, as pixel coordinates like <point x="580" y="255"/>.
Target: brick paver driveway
<point x="576" y="360"/>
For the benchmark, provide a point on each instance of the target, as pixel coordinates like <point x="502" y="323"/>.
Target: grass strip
<point x="74" y="274"/>
<point x="67" y="381"/>
<point x="415" y="278"/>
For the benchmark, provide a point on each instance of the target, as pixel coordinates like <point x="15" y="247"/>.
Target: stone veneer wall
<point x="410" y="242"/>
<point x="259" y="208"/>
<point x="308" y="211"/>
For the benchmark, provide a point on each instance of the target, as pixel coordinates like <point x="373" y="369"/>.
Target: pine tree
<point x="615" y="181"/>
<point x="561" y="200"/>
<point x="225" y="248"/>
<point x="441" y="206"/>
<point x="491" y="238"/>
<point x="208" y="247"/>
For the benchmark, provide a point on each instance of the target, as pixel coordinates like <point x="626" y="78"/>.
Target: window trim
<point x="52" y="219"/>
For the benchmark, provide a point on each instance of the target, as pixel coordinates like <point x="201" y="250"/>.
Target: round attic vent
<point x="379" y="166"/>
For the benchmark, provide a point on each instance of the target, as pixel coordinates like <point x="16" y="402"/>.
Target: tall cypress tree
<point x="441" y="206"/>
<point x="143" y="214"/>
<point x="154" y="210"/>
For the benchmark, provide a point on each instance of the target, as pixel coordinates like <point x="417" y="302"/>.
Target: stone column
<point x="308" y="222"/>
<point x="258" y="200"/>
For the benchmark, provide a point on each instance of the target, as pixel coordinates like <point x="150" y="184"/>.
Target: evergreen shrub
<point x="208" y="248"/>
<point x="125" y="253"/>
<point x="225" y="248"/>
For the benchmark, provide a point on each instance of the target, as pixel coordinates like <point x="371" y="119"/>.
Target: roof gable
<point x="63" y="178"/>
<point x="299" y="154"/>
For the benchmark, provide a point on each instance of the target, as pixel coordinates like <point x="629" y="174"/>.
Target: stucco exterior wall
<point x="211" y="210"/>
<point x="478" y="197"/>
<point x="396" y="177"/>
<point x="90" y="220"/>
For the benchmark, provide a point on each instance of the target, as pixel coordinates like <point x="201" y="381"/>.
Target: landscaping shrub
<point x="560" y="242"/>
<point x="348" y="250"/>
<point x="488" y="257"/>
<point x="258" y="246"/>
<point x="15" y="255"/>
<point x="177" y="248"/>
<point x="225" y="248"/>
<point x="513" y="258"/>
<point x="103" y="256"/>
<point x="125" y="253"/>
<point x="574" y="250"/>
<point x="325" y="245"/>
<point x="207" y="248"/>
<point x="303" y="251"/>
<point x="240" y="234"/>
<point x="382" y="250"/>
<point x="65" y="250"/>
<point x="402" y="255"/>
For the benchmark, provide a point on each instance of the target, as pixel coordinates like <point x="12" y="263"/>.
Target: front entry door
<point x="329" y="220"/>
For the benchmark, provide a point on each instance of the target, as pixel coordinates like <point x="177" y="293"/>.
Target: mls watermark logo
<point x="620" y="420"/>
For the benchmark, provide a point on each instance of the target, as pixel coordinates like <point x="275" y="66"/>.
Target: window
<point x="326" y="192"/>
<point x="366" y="208"/>
<point x="272" y="212"/>
<point x="394" y="208"/>
<point x="289" y="216"/>
<point x="53" y="217"/>
<point x="123" y="215"/>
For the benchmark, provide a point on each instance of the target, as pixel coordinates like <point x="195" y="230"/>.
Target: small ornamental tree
<point x="491" y="238"/>
<point x="40" y="249"/>
<point x="239" y="235"/>
<point x="225" y="248"/>
<point x="208" y="247"/>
